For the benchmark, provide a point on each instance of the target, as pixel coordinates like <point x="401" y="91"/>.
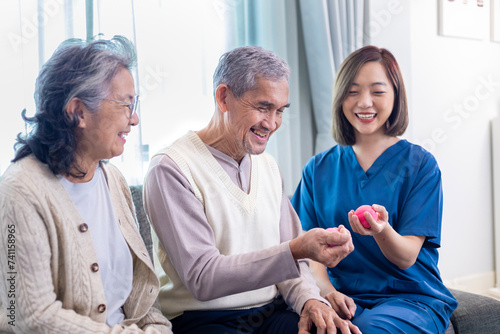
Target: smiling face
<point x="370" y="101"/>
<point x="102" y="133"/>
<point x="254" y="117"/>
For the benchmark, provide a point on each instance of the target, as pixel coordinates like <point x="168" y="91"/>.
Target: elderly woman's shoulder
<point x="26" y="178"/>
<point x="28" y="169"/>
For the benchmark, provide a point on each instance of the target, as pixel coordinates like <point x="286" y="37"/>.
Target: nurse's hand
<point x="401" y="250"/>
<point x="342" y="304"/>
<point x="324" y="318"/>
<point x="376" y="225"/>
<point x="316" y="244"/>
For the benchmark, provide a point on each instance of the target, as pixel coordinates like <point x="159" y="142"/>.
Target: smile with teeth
<point x="366" y="116"/>
<point x="123" y="135"/>
<point x="258" y="133"/>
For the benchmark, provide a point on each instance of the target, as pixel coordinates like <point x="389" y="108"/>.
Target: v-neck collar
<point x="246" y="200"/>
<point x="378" y="164"/>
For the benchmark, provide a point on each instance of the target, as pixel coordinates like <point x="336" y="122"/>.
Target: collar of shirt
<point x="239" y="173"/>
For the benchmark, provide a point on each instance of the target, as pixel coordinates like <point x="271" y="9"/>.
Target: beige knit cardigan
<point x="49" y="281"/>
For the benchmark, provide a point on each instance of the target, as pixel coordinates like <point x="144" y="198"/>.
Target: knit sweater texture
<point x="49" y="282"/>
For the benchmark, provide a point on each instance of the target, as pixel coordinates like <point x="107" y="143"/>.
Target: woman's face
<point x="370" y="100"/>
<point x="104" y="131"/>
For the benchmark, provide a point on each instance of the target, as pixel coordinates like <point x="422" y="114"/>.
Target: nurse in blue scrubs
<point x="390" y="283"/>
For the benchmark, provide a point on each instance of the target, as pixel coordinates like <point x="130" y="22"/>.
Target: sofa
<point x="476" y="314"/>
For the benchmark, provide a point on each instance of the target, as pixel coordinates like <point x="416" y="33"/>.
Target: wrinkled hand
<point x="376" y="226"/>
<point x="315" y="244"/>
<point x="324" y="318"/>
<point x="342" y="304"/>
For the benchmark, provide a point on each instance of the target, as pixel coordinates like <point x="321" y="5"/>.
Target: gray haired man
<point x="230" y="242"/>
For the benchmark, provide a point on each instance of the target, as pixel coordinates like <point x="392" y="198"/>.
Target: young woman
<point x="390" y="283"/>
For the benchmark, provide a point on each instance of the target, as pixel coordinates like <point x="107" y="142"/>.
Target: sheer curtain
<point x="332" y="30"/>
<point x="34" y="29"/>
<point x="274" y="25"/>
<point x="178" y="45"/>
<point x="314" y="37"/>
<point x="31" y="30"/>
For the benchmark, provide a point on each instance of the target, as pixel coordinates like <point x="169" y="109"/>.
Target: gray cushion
<point x="142" y="219"/>
<point x="450" y="329"/>
<point x="475" y="314"/>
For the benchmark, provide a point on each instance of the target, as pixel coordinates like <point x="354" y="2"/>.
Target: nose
<point x="365" y="100"/>
<point x="272" y="121"/>
<point x="134" y="120"/>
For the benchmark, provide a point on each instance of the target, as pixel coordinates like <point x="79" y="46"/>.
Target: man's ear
<point x="221" y="95"/>
<point x="75" y="107"/>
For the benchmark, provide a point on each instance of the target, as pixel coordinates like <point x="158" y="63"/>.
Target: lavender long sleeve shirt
<point x="183" y="230"/>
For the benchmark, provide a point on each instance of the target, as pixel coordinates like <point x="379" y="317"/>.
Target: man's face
<point x="257" y="115"/>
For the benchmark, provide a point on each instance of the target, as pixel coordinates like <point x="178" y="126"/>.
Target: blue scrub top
<point x="406" y="180"/>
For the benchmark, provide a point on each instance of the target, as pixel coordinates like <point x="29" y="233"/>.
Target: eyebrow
<point x="373" y="84"/>
<point x="269" y="104"/>
<point x="125" y="97"/>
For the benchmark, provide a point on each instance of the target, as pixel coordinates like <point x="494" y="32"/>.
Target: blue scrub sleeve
<point x="422" y="212"/>
<point x="303" y="199"/>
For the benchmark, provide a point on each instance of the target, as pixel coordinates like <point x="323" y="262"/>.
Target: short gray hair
<point x="240" y="67"/>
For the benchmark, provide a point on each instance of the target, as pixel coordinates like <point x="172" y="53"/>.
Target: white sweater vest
<point x="241" y="222"/>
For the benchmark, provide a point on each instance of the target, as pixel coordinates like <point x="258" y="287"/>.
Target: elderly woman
<point x="72" y="260"/>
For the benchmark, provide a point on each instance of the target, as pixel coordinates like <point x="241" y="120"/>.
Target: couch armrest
<point x="475" y="313"/>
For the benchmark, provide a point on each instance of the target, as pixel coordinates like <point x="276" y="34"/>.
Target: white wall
<point x="454" y="92"/>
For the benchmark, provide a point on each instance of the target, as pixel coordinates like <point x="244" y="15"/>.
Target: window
<point x="178" y="45"/>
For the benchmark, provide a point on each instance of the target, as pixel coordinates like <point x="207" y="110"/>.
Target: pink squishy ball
<point x="360" y="212"/>
<point x="332" y="229"/>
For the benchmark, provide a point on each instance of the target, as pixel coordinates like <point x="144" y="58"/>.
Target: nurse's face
<point x="370" y="101"/>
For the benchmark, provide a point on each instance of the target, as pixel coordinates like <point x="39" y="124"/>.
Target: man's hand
<point x="320" y="245"/>
<point x="324" y="318"/>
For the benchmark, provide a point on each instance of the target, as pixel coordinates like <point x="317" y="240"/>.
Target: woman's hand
<point x="342" y="304"/>
<point x="376" y="225"/>
<point x="401" y="250"/>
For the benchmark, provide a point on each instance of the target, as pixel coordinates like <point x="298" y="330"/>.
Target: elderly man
<point x="230" y="243"/>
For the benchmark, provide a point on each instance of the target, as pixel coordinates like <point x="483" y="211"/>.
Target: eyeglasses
<point x="132" y="106"/>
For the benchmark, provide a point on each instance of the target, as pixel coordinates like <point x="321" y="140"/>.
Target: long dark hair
<point x="76" y="69"/>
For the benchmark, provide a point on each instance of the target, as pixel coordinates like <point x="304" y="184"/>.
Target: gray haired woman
<point x="72" y="259"/>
